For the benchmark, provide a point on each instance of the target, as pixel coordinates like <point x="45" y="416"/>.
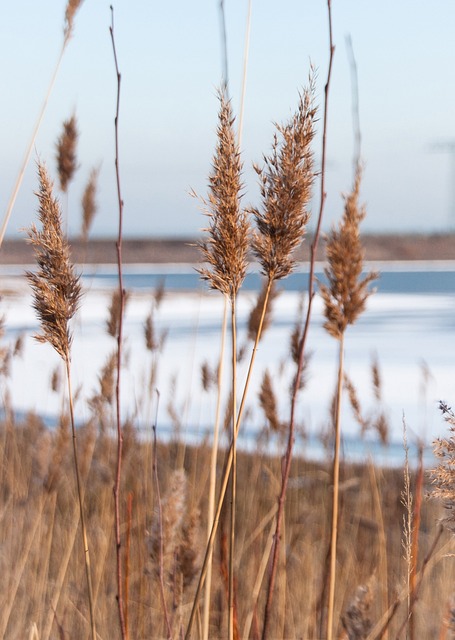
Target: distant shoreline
<point x="161" y="251"/>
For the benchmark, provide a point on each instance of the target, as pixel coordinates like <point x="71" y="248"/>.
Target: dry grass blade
<point x="286" y="180"/>
<point x="56" y="286"/>
<point x="66" y="152"/>
<point x="226" y="249"/>
<point x="346" y="293"/>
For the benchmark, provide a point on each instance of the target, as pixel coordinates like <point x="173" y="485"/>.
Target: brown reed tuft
<point x="55" y="285"/>
<point x="70" y="13"/>
<point x="66" y="153"/>
<point x="113" y="321"/>
<point x="268" y="403"/>
<point x="356" y="620"/>
<point x="254" y="319"/>
<point x="346" y="293"/>
<point x="225" y="251"/>
<point x="89" y="204"/>
<point x="285" y="180"/>
<point x="443" y="476"/>
<point x="355" y="404"/>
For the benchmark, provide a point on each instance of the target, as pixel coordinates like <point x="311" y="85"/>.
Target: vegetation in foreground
<point x="202" y="541"/>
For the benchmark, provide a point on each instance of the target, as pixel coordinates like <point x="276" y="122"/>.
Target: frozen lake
<point x="409" y="327"/>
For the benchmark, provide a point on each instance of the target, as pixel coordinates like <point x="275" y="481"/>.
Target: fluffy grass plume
<point x="56" y="287"/>
<point x="225" y="250"/>
<point x="286" y="179"/>
<point x="346" y="293"/>
<point x="70" y="13"/>
<point x="89" y="204"/>
<point x="443" y="476"/>
<point x="66" y="152"/>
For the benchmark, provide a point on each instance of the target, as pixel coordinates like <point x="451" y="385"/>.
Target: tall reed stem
<point x="336" y="486"/>
<point x="302" y="348"/>
<point x="118" y="475"/>
<point x="227" y="471"/>
<point x="212" y="485"/>
<point x="81" y="502"/>
<point x="233" y="471"/>
<point x="68" y="32"/>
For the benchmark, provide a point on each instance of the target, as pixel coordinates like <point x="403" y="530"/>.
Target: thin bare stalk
<point x="245" y="69"/>
<point x="160" y="534"/>
<point x="335" y="497"/>
<point x="227" y="471"/>
<point x="121" y="290"/>
<point x="415" y="538"/>
<point x="80" y="498"/>
<point x="212" y="483"/>
<point x="302" y="349"/>
<point x="71" y="10"/>
<point x="233" y="471"/>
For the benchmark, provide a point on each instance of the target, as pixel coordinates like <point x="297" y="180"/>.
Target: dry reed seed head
<point x="268" y="403"/>
<point x="66" y="153"/>
<point x="356" y="620"/>
<point x="382" y="427"/>
<point x="190" y="548"/>
<point x="151" y="342"/>
<point x="355" y="404"/>
<point x="376" y="375"/>
<point x="346" y="293"/>
<point x="55" y="285"/>
<point x="225" y="250"/>
<point x="89" y="204"/>
<point x="115" y="311"/>
<point x="70" y="13"/>
<point x="286" y="180"/>
<point x="166" y="534"/>
<point x="256" y="312"/>
<point x="443" y="476"/>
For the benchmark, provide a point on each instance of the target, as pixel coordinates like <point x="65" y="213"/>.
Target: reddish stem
<point x="118" y="476"/>
<point x="296" y="387"/>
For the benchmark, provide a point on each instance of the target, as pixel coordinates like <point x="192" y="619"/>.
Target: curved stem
<point x="228" y="467"/>
<point x="233" y="471"/>
<point x="296" y="387"/>
<point x="80" y="500"/>
<point x="29" y="150"/>
<point x="118" y="475"/>
<point x="335" y="497"/>
<point x="213" y="460"/>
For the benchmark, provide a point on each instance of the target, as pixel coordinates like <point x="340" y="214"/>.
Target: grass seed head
<point x="225" y="250"/>
<point x="55" y="285"/>
<point x="346" y="293"/>
<point x="66" y="153"/>
<point x="89" y="204"/>
<point x="286" y="180"/>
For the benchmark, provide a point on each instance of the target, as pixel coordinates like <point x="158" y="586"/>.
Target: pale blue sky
<point x="170" y="60"/>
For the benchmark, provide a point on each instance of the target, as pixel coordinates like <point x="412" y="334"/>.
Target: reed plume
<point x="443" y="476"/>
<point x="89" y="204"/>
<point x="56" y="286"/>
<point x="225" y="251"/>
<point x="346" y="293"/>
<point x="344" y="298"/>
<point x="66" y="152"/>
<point x="70" y="13"/>
<point x="286" y="179"/>
<point x="56" y="296"/>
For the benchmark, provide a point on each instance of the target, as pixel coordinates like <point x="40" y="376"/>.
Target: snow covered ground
<point x="410" y="334"/>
